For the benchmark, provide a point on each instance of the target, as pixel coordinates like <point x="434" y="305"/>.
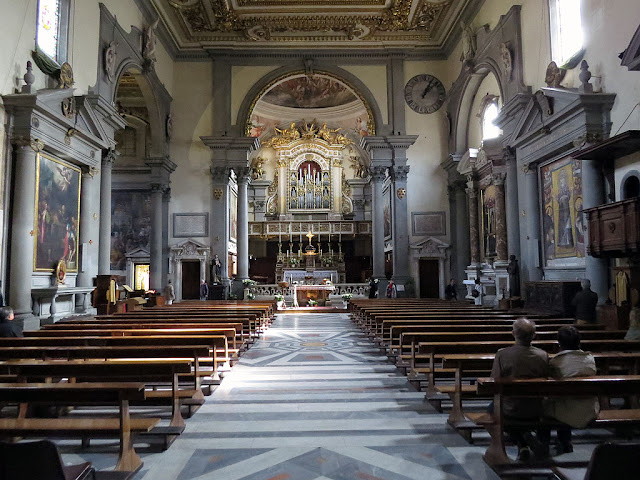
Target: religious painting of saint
<point x="130" y="227"/>
<point x="386" y="212"/>
<point x="233" y="217"/>
<point x="57" y="214"/>
<point x="562" y="222"/>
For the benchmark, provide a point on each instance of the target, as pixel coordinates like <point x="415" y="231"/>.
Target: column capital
<point x="26" y="141"/>
<point x="157" y="188"/>
<point x="471" y="192"/>
<point x="243" y="175"/>
<point x="378" y="174"/>
<point x="166" y="195"/>
<point x="498" y="179"/>
<point x="400" y="172"/>
<point x="220" y="174"/>
<point x="89" y="171"/>
<point x="109" y="157"/>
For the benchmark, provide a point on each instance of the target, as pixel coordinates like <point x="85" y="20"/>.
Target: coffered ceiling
<point x="432" y="26"/>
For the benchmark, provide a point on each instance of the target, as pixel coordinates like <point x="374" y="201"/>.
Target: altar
<point x="303" y="293"/>
<point x="315" y="277"/>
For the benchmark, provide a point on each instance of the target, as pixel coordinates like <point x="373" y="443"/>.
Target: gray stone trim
<point x="203" y="233"/>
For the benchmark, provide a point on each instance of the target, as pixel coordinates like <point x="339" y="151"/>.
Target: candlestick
<point x="279" y="233"/>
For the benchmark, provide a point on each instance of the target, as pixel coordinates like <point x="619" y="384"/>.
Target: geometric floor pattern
<point x="313" y="399"/>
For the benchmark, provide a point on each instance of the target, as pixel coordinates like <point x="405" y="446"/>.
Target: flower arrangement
<point x="294" y="261"/>
<point x="326" y="261"/>
<point x="278" y="297"/>
<point x="347" y="296"/>
<point x="249" y="283"/>
<point x="312" y="303"/>
<point x="250" y="296"/>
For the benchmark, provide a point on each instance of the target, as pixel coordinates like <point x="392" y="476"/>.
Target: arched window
<point x="631" y="188"/>
<point x="488" y="116"/>
<point x="52" y="28"/>
<point x="565" y="22"/>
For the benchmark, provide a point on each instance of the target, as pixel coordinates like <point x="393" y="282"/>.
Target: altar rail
<point x="269" y="290"/>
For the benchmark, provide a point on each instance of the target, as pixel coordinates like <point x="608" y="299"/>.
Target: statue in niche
<point x="468" y="43"/>
<point x="513" y="269"/>
<point x="217" y="269"/>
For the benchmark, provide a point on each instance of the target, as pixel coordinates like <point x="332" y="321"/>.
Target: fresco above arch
<point x="323" y="98"/>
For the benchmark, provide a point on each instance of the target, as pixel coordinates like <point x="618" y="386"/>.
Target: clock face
<point x="424" y="93"/>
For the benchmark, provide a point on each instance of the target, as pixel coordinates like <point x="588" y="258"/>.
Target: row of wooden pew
<point x="448" y="348"/>
<point x="162" y="356"/>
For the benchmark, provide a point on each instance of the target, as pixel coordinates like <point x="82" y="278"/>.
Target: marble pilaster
<point x="220" y="218"/>
<point x="498" y="180"/>
<point x="22" y="227"/>
<point x="244" y="178"/>
<point x="400" y="223"/>
<point x="511" y="205"/>
<point x="378" y="174"/>
<point x="89" y="227"/>
<point x="104" y="248"/>
<point x="155" y="242"/>
<point x="596" y="269"/>
<point x="531" y="239"/>
<point x="166" y="198"/>
<point x="474" y="231"/>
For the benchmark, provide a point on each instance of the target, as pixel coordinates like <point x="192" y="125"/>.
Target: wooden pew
<point x="73" y="394"/>
<point x="603" y="386"/>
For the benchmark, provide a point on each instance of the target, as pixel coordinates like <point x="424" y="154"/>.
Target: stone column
<point x="378" y="174"/>
<point x="23" y="230"/>
<point x="220" y="218"/>
<point x="474" y="232"/>
<point x="511" y="205"/>
<point x="596" y="269"/>
<point x="244" y="177"/>
<point x="104" y="258"/>
<point x="166" y="198"/>
<point x="400" y="224"/>
<point x="531" y="262"/>
<point x="501" y="218"/>
<point x="336" y="188"/>
<point x="89" y="228"/>
<point x="283" y="184"/>
<point x="155" y="268"/>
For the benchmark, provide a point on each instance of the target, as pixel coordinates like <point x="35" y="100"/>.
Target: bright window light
<point x="489" y="130"/>
<point x="48" y="27"/>
<point x="566" y="29"/>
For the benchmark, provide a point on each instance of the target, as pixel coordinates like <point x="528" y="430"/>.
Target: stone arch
<point x="353" y="82"/>
<point x="126" y="56"/>
<point x="629" y="185"/>
<point x="499" y="53"/>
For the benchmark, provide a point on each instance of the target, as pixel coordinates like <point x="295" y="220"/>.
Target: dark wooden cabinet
<point x="614" y="229"/>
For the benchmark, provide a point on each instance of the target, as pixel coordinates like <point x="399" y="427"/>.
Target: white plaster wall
<point x="427" y="181"/>
<point x="243" y="78"/>
<point x="375" y="78"/>
<point x="17" y="38"/>
<point x="192" y="117"/>
<point x="623" y="166"/>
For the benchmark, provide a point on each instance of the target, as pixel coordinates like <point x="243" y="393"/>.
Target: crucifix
<point x="309" y="236"/>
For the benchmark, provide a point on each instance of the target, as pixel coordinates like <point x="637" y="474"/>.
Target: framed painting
<point x="57" y="214"/>
<point x="563" y="226"/>
<point x="488" y="198"/>
<point x="130" y="227"/>
<point x="386" y="202"/>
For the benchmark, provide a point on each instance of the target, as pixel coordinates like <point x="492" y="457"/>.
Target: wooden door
<point x="429" y="278"/>
<point x="190" y="280"/>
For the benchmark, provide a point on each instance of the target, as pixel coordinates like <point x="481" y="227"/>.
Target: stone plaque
<point x="428" y="223"/>
<point x="190" y="225"/>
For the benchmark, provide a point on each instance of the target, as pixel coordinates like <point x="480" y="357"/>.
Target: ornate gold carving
<point x="256" y="168"/>
<point x="308" y="131"/>
<point x="65" y="76"/>
<point x="273" y="188"/>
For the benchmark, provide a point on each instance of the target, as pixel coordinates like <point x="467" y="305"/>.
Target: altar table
<point x="303" y="293"/>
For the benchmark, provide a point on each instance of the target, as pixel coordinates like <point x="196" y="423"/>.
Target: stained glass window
<point x="566" y="29"/>
<point x="48" y="31"/>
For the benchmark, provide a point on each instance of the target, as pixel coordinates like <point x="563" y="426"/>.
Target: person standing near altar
<point x="391" y="289"/>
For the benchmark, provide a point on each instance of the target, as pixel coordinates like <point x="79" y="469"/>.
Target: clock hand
<point x="427" y="88"/>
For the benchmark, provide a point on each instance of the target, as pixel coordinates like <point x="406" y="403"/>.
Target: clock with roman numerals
<point x="424" y="93"/>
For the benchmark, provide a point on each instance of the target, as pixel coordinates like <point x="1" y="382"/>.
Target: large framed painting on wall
<point x="130" y="227"/>
<point x="57" y="214"/>
<point x="386" y="211"/>
<point x="563" y="224"/>
<point x="489" y="222"/>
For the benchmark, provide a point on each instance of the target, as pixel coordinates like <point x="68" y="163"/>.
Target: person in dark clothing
<point x="373" y="287"/>
<point x="521" y="361"/>
<point x="585" y="302"/>
<point x="7" y="327"/>
<point x="450" y="291"/>
<point x="204" y="290"/>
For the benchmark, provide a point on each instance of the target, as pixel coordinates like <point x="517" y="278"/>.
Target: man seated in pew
<point x="576" y="412"/>
<point x="521" y="360"/>
<point x="8" y="328"/>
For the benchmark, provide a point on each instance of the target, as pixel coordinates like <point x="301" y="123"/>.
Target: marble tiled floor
<point x="311" y="400"/>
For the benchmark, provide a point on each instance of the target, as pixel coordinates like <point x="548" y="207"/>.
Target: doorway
<point x="429" y="278"/>
<point x="190" y="280"/>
